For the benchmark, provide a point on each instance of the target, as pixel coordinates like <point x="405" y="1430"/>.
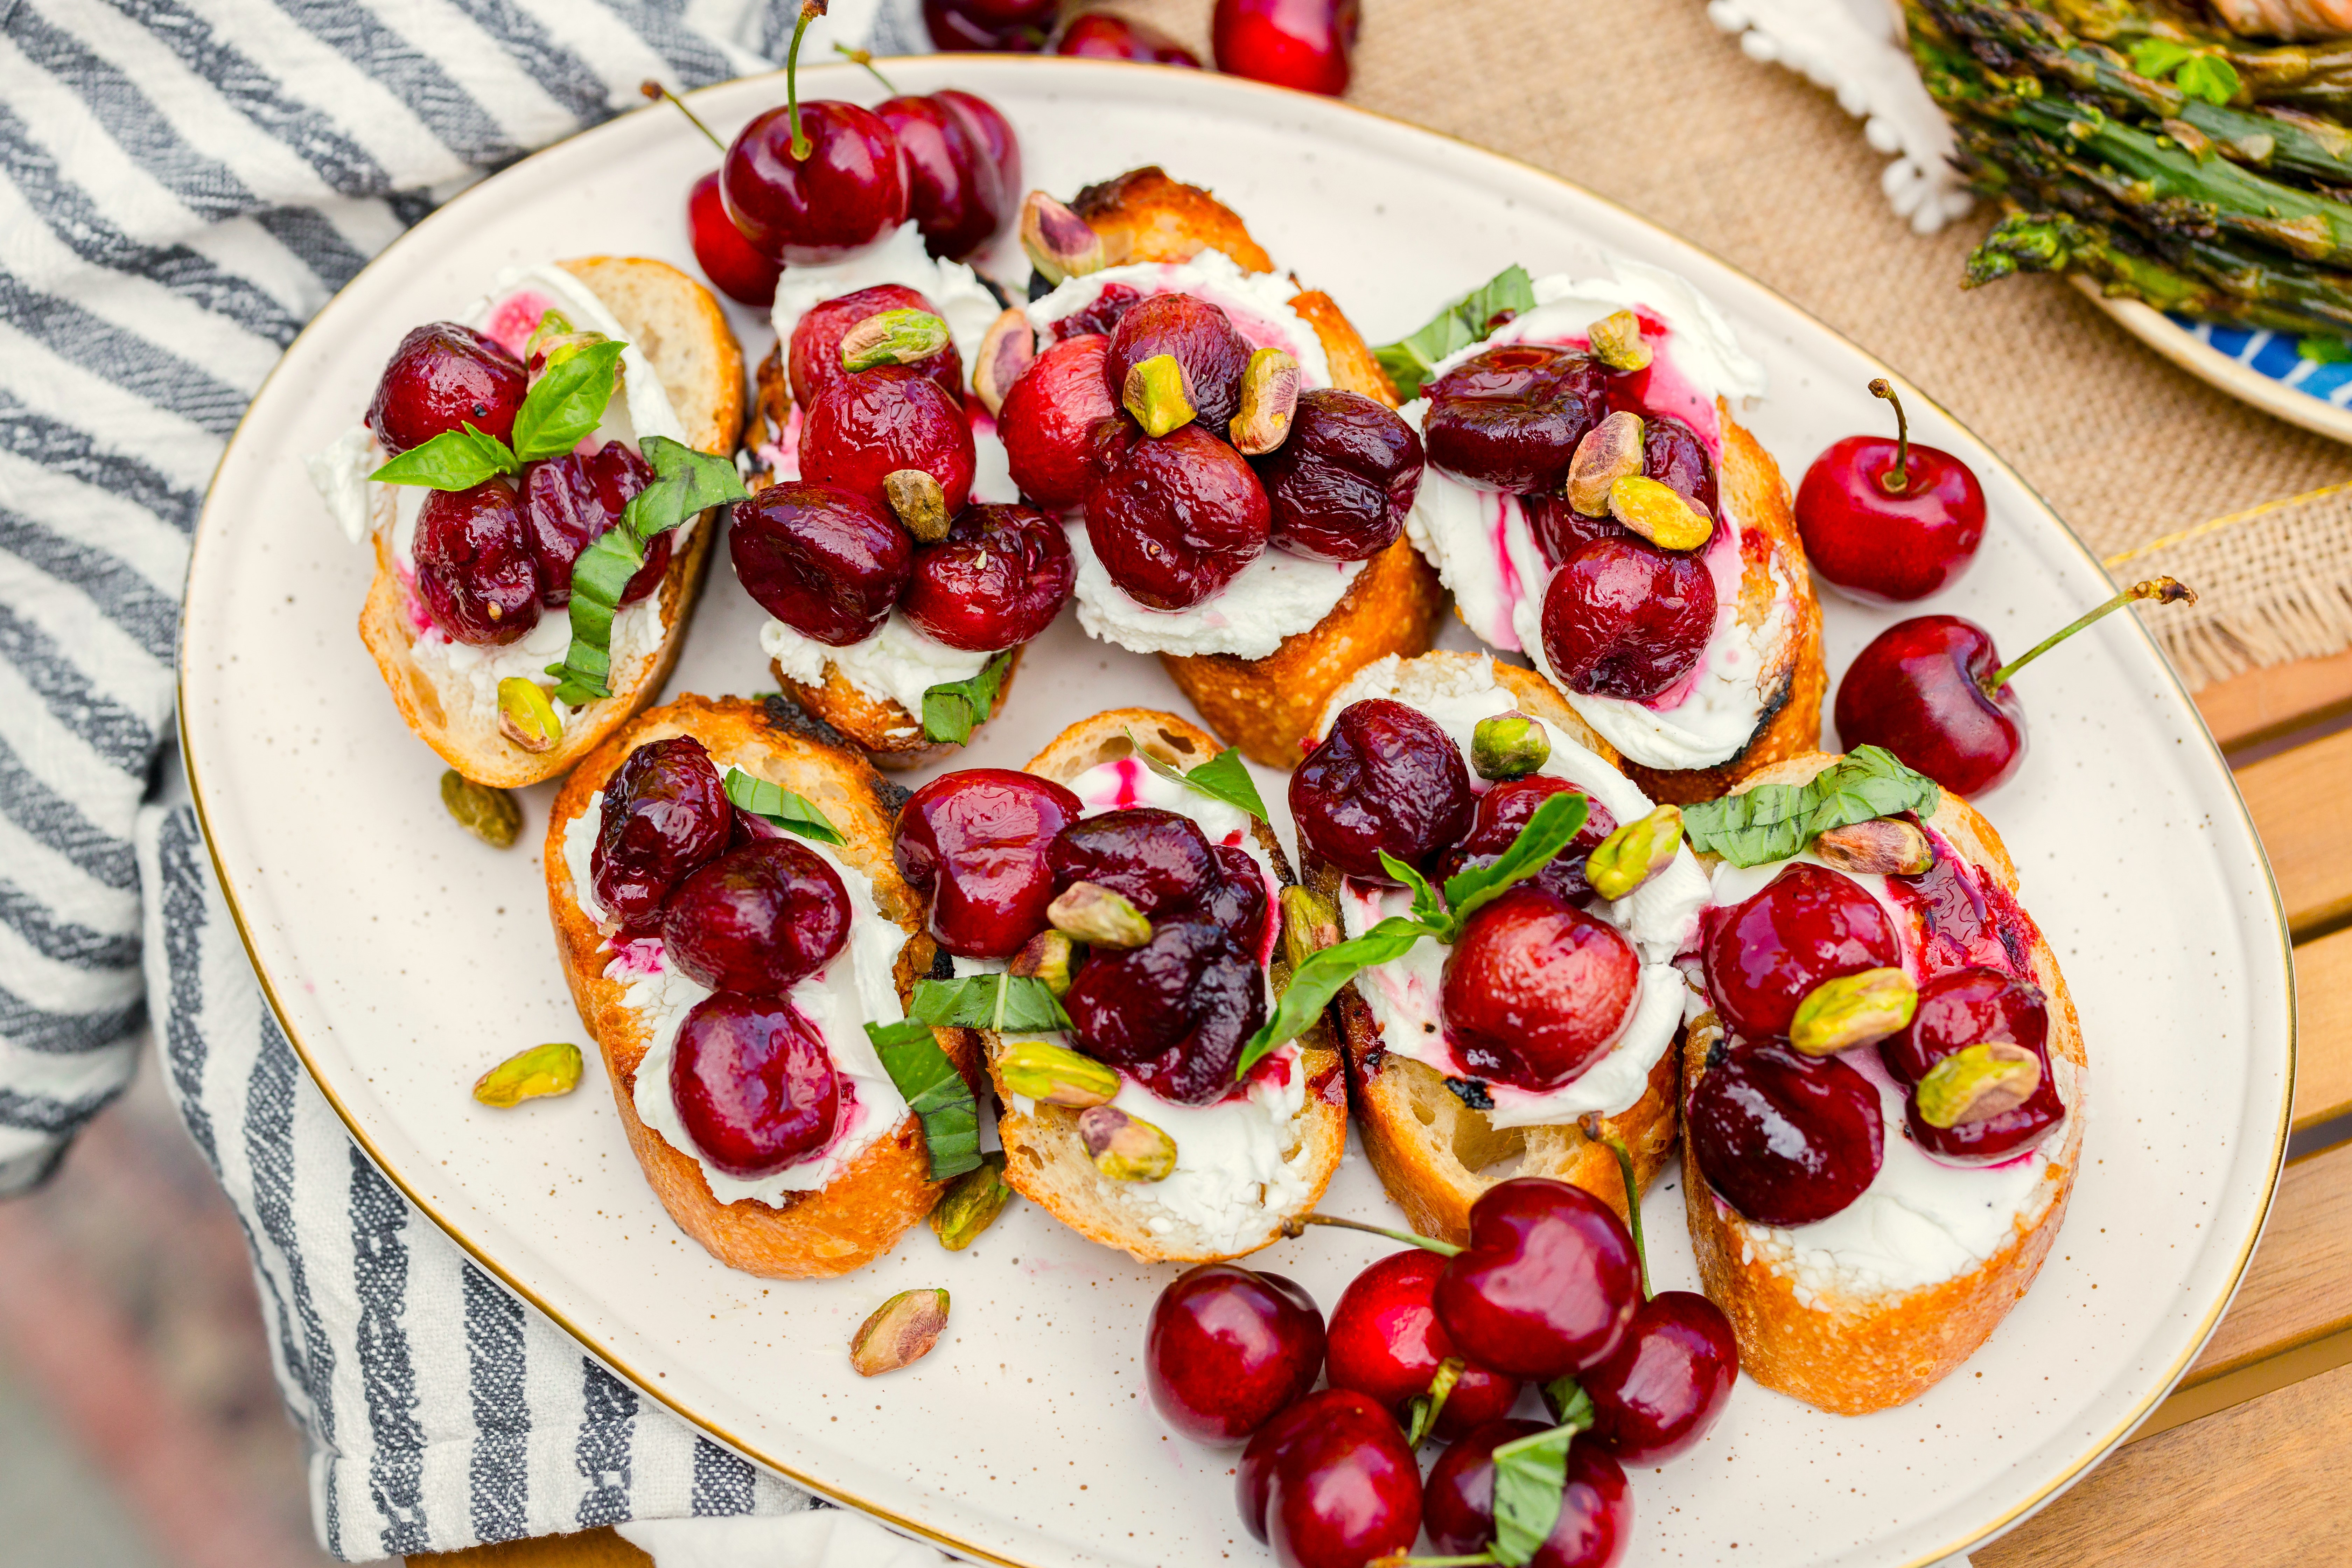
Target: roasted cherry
<point x="1509" y="418"/>
<point x="1536" y="990"/>
<point x="998" y="578"/>
<point x="1228" y="1349"/>
<point x="1786" y="1140"/>
<point x="1329" y="1483"/>
<point x="1386" y="1341"/>
<point x="732" y="263"/>
<point x="1964" y="1008"/>
<point x="1202" y="340"/>
<point x="1596" y="1507"/>
<point x="813" y="360"/>
<point x="754" y="1083"/>
<point x="1339" y="487"/>
<point x="1989" y="1138"/>
<point x="1048" y="419"/>
<point x="1175" y="520"/>
<point x="1666" y="1383"/>
<point x="956" y="192"/>
<point x="1238" y="904"/>
<point x="1106" y="36"/>
<point x="1099" y="314"/>
<point x="873" y="423"/>
<point x="1225" y="1006"/>
<point x="1156" y="859"/>
<point x="1505" y="809"/>
<point x="1387" y="777"/>
<point x="1888" y="522"/>
<point x="1130" y="1005"/>
<point x="988" y="27"/>
<point x="444" y="377"/>
<point x="1624" y="618"/>
<point x="664" y="813"/>
<point x="1808" y="925"/>
<point x="1673" y="454"/>
<point x="975" y="843"/>
<point x="569" y="503"/>
<point x="759" y="919"/>
<point x="824" y="561"/>
<point x="1548" y="1283"/>
<point x="1304" y="43"/>
<point x="474" y="565"/>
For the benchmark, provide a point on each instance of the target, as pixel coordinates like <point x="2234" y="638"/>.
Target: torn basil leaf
<point x="1317" y="981"/>
<point x="953" y="710"/>
<point x="567" y="402"/>
<point x="1008" y="1003"/>
<point x="780" y="807"/>
<point x="934" y="1091"/>
<point x="453" y="461"/>
<point x="1222" y="777"/>
<point x="1529" y="1475"/>
<point x="1773" y="822"/>
<point x="1408" y="359"/>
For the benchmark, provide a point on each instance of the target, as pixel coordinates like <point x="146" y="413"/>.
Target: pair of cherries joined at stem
<point x="1302" y="43"/>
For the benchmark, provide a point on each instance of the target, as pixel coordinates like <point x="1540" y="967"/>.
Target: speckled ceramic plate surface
<point x="404" y="958"/>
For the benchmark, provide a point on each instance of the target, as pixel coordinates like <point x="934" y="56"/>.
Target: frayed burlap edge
<point x="2274" y="584"/>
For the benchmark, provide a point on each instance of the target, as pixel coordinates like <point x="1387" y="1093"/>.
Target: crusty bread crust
<point x="1850" y="1351"/>
<point x="1044" y="1159"/>
<point x="1144" y="215"/>
<point x="684" y="335"/>
<point x="1753" y="487"/>
<point x="1431" y="1151"/>
<point x="864" y="1211"/>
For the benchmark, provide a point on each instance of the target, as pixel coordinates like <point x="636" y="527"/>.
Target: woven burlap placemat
<point x="1646" y="102"/>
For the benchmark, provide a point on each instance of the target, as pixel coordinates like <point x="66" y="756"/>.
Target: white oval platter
<point x="404" y="957"/>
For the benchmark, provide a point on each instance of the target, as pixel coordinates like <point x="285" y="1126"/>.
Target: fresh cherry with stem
<point x="1933" y="690"/>
<point x="1227" y="1348"/>
<point x="730" y="261"/>
<point x="1890" y="522"/>
<point x="1329" y="1483"/>
<point x="813" y="183"/>
<point x="1385" y="1341"/>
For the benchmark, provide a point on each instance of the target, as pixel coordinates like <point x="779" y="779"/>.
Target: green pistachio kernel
<point x="542" y="1070"/>
<point x="892" y="337"/>
<point x="489" y="815"/>
<point x="921" y="502"/>
<point x="1047" y="956"/>
<point x="1154" y="394"/>
<point x="1853" y="1010"/>
<point x="1610" y="451"/>
<point x="1617" y="342"/>
<point x="1126" y="1148"/>
<point x="1308" y="925"/>
<point x="1636" y="852"/>
<point x="1269" y="398"/>
<point x="1509" y="746"/>
<point x="1061" y="244"/>
<point x="971" y="1204"/>
<point x="1092" y="913"/>
<point x="1055" y="1075"/>
<point x="1884" y="846"/>
<point x="900" y="1333"/>
<point x="1978" y="1083"/>
<point x="1659" y="513"/>
<point x="526" y="718"/>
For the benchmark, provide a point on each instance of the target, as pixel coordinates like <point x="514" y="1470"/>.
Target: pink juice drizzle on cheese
<point x="514" y="319"/>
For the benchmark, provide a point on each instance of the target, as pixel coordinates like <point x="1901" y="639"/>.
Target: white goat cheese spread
<point x="899" y="662"/>
<point x="963" y="300"/>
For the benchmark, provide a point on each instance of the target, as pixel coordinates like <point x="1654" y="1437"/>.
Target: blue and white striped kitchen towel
<point x="184" y="182"/>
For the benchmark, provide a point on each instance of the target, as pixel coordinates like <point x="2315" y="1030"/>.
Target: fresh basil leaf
<point x="708" y="480"/>
<point x="1014" y="1004"/>
<point x="1222" y="777"/>
<point x="1774" y="822"/>
<point x="1546" y="833"/>
<point x="599" y="577"/>
<point x="1409" y="359"/>
<point x="2208" y="77"/>
<point x="780" y="807"/>
<point x="1427" y="907"/>
<point x="453" y="461"/>
<point x="953" y="710"/>
<point x="1530" y="1474"/>
<point x="2156" y="57"/>
<point x="1318" y="980"/>
<point x="567" y="403"/>
<point x="934" y="1091"/>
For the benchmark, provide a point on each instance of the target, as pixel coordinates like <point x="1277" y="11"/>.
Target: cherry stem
<point x="2163" y="590"/>
<point x="1897" y="479"/>
<point x="657" y="92"/>
<point x="810" y="11"/>
<point x="865" y="57"/>
<point x="1296" y="1226"/>
<point x="1632" y="1211"/>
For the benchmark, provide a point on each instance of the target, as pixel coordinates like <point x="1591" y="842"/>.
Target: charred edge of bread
<point x="1431" y="1148"/>
<point x="1850" y="1355"/>
<point x="1044" y="1159"/>
<point x="864" y="1211"/>
<point x="1791" y="725"/>
<point x="1144" y="215"/>
<point x="684" y="336"/>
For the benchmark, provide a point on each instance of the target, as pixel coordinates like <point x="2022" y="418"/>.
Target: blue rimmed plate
<point x="2262" y="368"/>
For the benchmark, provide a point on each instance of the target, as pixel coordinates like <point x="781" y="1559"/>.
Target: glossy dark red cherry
<point x="845" y="192"/>
<point x="875" y="422"/>
<point x="1536" y="990"/>
<point x="1176" y="519"/>
<point x="994" y="136"/>
<point x="1106" y="36"/>
<point x="812" y="361"/>
<point x="1385" y="1341"/>
<point x="956" y="190"/>
<point x="1786" y="1140"/>
<point x="988" y="27"/>
<point x="1808" y="925"/>
<point x="1625" y="618"/>
<point x="570" y="501"/>
<point x="474" y="566"/>
<point x="444" y="377"/>
<point x="998" y="578"/>
<point x="1889" y="521"/>
<point x="1665" y="1383"/>
<point x="1328" y="1483"/>
<point x="975" y="843"/>
<point x="1964" y="1008"/>
<point x="826" y="561"/>
<point x="1673" y="454"/>
<point x="1221" y="1009"/>
<point x="1918" y="690"/>
<point x="1047" y="421"/>
<point x="663" y="814"/>
<point x="1505" y="809"/>
<point x="759" y="919"/>
<point x="1202" y="340"/>
<point x="732" y="263"/>
<point x="753" y="1084"/>
<point x="1994" y="1138"/>
<point x="1227" y="1348"/>
<point x="1158" y="860"/>
<point x="1098" y="315"/>
<point x="1387" y="777"/>
<point x="1305" y="44"/>
<point x="1596" y="1506"/>
<point x="1546" y="1284"/>
<point x="1339" y="487"/>
<point x="1509" y="418"/>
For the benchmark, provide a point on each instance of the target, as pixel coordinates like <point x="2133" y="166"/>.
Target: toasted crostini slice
<point x="879" y="1192"/>
<point x="1436" y="1151"/>
<point x="1839" y="1336"/>
<point x="1169" y="1221"/>
<point x="683" y="335"/>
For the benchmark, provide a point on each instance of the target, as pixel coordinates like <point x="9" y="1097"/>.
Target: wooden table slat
<point x="2250" y="709"/>
<point x="2299" y="1286"/>
<point x="2303" y="808"/>
<point x="598" y="1548"/>
<point x="2323" y="1009"/>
